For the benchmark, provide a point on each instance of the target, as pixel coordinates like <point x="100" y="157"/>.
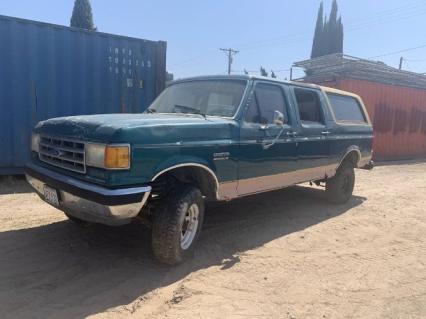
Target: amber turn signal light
<point x="117" y="157"/>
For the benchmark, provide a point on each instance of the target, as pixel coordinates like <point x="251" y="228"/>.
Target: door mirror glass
<point x="278" y="118"/>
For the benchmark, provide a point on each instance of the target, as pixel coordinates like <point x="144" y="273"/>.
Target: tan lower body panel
<point x="230" y="190"/>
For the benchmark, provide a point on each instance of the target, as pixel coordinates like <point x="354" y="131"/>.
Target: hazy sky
<point x="271" y="33"/>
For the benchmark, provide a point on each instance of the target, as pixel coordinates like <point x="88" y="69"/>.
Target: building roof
<point x="335" y="66"/>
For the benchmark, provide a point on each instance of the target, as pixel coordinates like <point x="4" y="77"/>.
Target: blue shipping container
<point x="50" y="71"/>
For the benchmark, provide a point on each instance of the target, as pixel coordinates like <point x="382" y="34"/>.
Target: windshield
<point x="205" y="97"/>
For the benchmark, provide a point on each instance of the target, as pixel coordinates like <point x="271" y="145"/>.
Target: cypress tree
<point x="169" y="76"/>
<point x="328" y="38"/>
<point x="319" y="31"/>
<point x="82" y="16"/>
<point x="324" y="38"/>
<point x="273" y="74"/>
<point x="263" y="71"/>
<point x="341" y="36"/>
<point x="332" y="32"/>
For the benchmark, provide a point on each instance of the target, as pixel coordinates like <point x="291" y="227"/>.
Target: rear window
<point x="346" y="108"/>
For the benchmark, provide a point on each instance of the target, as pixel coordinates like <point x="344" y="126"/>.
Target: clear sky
<point x="271" y="33"/>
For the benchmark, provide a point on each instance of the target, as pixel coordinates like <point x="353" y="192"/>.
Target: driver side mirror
<point x="278" y="118"/>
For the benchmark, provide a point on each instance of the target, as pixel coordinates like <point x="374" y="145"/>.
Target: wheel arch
<point x="201" y="175"/>
<point x="353" y="155"/>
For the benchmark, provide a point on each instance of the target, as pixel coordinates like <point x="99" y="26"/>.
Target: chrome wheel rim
<point x="189" y="226"/>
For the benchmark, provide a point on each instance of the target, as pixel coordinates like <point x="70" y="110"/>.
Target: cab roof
<point x="255" y="77"/>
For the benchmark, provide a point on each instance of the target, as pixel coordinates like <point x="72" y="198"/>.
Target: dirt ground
<point x="285" y="254"/>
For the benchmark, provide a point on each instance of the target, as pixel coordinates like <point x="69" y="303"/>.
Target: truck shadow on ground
<point x="61" y="270"/>
<point x="14" y="185"/>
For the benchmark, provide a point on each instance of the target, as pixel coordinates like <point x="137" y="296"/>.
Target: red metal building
<point x="395" y="100"/>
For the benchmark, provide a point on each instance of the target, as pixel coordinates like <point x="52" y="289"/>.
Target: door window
<point x="265" y="101"/>
<point x="309" y="105"/>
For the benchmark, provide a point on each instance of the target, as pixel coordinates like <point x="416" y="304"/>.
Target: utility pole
<point x="401" y="60"/>
<point x="230" y="53"/>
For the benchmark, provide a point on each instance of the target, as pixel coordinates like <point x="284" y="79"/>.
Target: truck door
<point x="267" y="147"/>
<point x="313" y="149"/>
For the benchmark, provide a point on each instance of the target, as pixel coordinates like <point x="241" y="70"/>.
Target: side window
<point x="253" y="114"/>
<point x="310" y="106"/>
<point x="267" y="99"/>
<point x="346" y="108"/>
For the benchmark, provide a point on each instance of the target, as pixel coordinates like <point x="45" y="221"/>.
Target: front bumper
<point x="87" y="201"/>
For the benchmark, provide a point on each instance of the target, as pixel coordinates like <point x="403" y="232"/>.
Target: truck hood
<point x="137" y="128"/>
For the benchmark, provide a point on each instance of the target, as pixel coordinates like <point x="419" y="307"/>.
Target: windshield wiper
<point x="191" y="110"/>
<point x="151" y="111"/>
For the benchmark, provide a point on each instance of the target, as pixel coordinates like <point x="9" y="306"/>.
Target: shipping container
<point x="50" y="71"/>
<point x="398" y="114"/>
<point x="395" y="100"/>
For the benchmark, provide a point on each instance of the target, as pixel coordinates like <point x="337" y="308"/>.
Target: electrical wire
<point x="385" y="16"/>
<point x="394" y="14"/>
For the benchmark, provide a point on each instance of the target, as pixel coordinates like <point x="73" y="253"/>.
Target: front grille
<point x="64" y="153"/>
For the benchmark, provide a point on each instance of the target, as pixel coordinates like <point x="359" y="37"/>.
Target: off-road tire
<point x="339" y="188"/>
<point x="168" y="221"/>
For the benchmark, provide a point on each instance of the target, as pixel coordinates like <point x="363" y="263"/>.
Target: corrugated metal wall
<point x="49" y="71"/>
<point x="398" y="114"/>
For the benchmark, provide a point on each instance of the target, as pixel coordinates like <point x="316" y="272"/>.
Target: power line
<point x="386" y="16"/>
<point x="230" y="53"/>
<point x="398" y="52"/>
<point x="353" y="61"/>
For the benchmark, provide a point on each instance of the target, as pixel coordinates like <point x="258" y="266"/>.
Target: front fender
<point x="182" y="161"/>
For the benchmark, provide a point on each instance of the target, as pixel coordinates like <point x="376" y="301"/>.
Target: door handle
<point x="291" y="134"/>
<point x="325" y="133"/>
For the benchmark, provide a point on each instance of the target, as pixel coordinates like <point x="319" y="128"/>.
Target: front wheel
<point x="339" y="188"/>
<point x="177" y="224"/>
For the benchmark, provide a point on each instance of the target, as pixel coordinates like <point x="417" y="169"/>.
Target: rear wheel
<point x="339" y="189"/>
<point x="177" y="224"/>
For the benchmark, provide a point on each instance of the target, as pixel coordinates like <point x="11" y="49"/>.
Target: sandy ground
<point x="286" y="254"/>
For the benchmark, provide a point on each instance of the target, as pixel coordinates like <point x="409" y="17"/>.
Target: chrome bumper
<point x="90" y="202"/>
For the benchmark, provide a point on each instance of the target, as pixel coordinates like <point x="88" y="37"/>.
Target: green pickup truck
<point x="211" y="138"/>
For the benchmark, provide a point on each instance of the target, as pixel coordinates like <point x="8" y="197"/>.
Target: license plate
<point x="51" y="195"/>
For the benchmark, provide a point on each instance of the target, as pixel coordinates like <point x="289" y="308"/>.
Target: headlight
<point x="35" y="142"/>
<point x="108" y="156"/>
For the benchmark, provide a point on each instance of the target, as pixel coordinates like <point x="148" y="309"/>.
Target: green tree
<point x="263" y="71"/>
<point x="273" y="74"/>
<point x="169" y="76"/>
<point x="331" y="31"/>
<point x="319" y="31"/>
<point x="82" y="16"/>
<point x="329" y="34"/>
<point x="340" y="35"/>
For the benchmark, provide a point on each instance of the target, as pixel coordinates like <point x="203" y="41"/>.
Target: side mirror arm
<point x="267" y="146"/>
